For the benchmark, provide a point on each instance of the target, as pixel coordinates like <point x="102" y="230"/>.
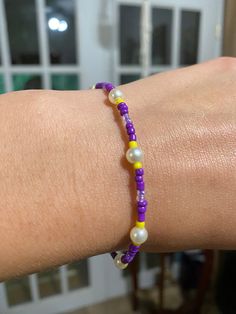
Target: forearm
<point x="66" y="190"/>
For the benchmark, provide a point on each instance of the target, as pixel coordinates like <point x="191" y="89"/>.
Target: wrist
<point x="189" y="155"/>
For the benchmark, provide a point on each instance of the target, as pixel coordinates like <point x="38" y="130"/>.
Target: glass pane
<point x="78" y="275"/>
<point x="65" y="82"/>
<point x="129" y="34"/>
<point x="22" y="29"/>
<point x="2" y="86"/>
<point x="127" y="78"/>
<point x="18" y="291"/>
<point x="27" y="81"/>
<point x="49" y="283"/>
<point x="61" y="31"/>
<point x="161" y="36"/>
<point x="190" y="22"/>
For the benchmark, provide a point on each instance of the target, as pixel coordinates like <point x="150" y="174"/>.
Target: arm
<point x="66" y="192"/>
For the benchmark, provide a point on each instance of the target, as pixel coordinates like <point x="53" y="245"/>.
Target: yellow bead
<point x="118" y="100"/>
<point x="136" y="244"/>
<point x="133" y="144"/>
<point x="140" y="224"/>
<point x="138" y="165"/>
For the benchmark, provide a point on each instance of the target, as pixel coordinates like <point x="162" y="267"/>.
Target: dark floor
<point x="148" y="302"/>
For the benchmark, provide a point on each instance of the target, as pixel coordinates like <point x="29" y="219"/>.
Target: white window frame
<point x="44" y="68"/>
<point x="210" y="33"/>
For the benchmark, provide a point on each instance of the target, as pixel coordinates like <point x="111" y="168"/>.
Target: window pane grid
<point x="189" y="41"/>
<point x="129" y="34"/>
<point x="21" y="20"/>
<point x="43" y="70"/>
<point x="161" y="35"/>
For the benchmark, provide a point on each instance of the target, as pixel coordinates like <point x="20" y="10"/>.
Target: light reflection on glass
<point x="56" y="24"/>
<point x="60" y="17"/>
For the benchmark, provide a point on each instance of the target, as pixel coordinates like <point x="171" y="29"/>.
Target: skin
<point x="67" y="192"/>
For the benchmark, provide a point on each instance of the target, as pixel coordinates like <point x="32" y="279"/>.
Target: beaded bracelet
<point x="134" y="155"/>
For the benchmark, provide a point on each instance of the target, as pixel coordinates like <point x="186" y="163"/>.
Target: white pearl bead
<point x="115" y="93"/>
<point x="118" y="262"/>
<point x="134" y="154"/>
<point x="138" y="235"/>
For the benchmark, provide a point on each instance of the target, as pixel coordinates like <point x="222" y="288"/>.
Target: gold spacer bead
<point x="138" y="165"/>
<point x="133" y="144"/>
<point x="118" y="100"/>
<point x="140" y="224"/>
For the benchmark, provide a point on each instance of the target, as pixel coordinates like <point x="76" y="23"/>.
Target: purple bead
<point x="132" y="137"/>
<point x="131" y="253"/>
<point x="138" y="178"/>
<point x="140" y="186"/>
<point x="139" y="172"/>
<point x="129" y="125"/>
<point x="141" y="217"/>
<point x="133" y="248"/>
<point x="127" y="258"/>
<point x="123" y="111"/>
<point x="100" y="85"/>
<point x="131" y="131"/>
<point x="142" y="203"/>
<point x="108" y="87"/>
<point x="122" y="105"/>
<point x="142" y="209"/>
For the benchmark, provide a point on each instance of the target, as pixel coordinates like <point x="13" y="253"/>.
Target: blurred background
<point x="71" y="44"/>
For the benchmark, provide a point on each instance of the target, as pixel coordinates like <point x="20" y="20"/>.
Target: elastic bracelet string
<point x="134" y="155"/>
